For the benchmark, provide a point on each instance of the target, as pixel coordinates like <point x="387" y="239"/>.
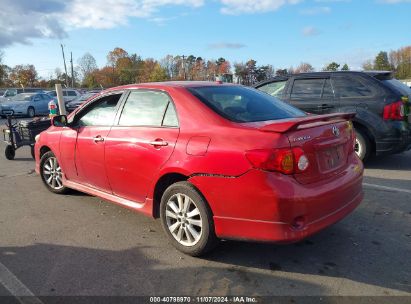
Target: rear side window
<point x="275" y="89"/>
<point x="148" y="108"/>
<point x="241" y="104"/>
<point x="307" y="88"/>
<point x="351" y="88"/>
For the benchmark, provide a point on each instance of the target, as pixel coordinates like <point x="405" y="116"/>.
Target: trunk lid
<point x="327" y="142"/>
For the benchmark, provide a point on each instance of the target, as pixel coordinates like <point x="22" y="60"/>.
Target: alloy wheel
<point x="52" y="174"/>
<point x="183" y="219"/>
<point x="358" y="147"/>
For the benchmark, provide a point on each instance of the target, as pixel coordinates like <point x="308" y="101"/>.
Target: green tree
<point x="345" y="67"/>
<point x="381" y="62"/>
<point x="281" y="72"/>
<point x="333" y="66"/>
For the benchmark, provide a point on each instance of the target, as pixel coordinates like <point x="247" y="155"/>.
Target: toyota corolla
<point x="212" y="161"/>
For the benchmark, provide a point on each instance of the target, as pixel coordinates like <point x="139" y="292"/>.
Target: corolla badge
<point x="301" y="138"/>
<point x="336" y="131"/>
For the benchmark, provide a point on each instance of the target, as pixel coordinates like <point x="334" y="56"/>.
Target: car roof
<point x="171" y="84"/>
<point x="376" y="74"/>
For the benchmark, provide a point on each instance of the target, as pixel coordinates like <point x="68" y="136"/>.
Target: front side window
<point x="351" y="88"/>
<point x="275" y="89"/>
<point x="148" y="108"/>
<point x="241" y="104"/>
<point x="307" y="88"/>
<point x="101" y="113"/>
<point x="71" y="93"/>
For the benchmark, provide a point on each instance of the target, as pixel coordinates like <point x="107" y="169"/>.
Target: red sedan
<point x="212" y="161"/>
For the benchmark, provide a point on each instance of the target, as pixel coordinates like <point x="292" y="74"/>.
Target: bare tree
<point x="304" y="67"/>
<point x="87" y="64"/>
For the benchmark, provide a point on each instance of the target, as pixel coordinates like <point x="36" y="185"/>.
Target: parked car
<point x="26" y="104"/>
<point x="381" y="104"/>
<point x="78" y="101"/>
<point x="68" y="94"/>
<point x="212" y="161"/>
<point x="9" y="93"/>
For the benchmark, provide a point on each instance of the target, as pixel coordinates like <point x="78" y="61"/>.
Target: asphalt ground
<point x="79" y="245"/>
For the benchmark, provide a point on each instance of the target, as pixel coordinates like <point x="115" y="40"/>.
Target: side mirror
<point x="59" y="121"/>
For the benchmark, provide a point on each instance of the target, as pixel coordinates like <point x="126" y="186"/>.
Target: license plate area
<point x="332" y="158"/>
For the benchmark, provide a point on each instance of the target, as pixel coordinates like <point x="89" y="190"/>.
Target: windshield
<point x="398" y="86"/>
<point x="241" y="104"/>
<point x="19" y="97"/>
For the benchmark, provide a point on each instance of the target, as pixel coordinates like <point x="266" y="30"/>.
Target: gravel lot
<point x="80" y="245"/>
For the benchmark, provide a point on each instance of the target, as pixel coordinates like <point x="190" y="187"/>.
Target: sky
<point x="282" y="33"/>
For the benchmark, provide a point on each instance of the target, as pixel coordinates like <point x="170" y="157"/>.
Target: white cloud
<point x="23" y="20"/>
<point x="226" y="45"/>
<point x="310" y="31"/>
<point x="103" y="14"/>
<point x="234" y="7"/>
<point x="317" y="10"/>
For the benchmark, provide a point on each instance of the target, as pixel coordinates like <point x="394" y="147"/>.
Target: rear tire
<point x="32" y="152"/>
<point x="10" y="152"/>
<point x="31" y="112"/>
<point x="362" y="145"/>
<point x="51" y="173"/>
<point x="187" y="219"/>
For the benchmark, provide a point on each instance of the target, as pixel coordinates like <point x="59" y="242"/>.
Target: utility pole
<point x="184" y="67"/>
<point x="72" y="70"/>
<point x="65" y="66"/>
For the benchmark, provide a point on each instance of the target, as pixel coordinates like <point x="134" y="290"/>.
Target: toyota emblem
<point x="336" y="131"/>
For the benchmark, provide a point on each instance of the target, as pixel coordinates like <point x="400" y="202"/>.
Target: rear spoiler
<point x="306" y="122"/>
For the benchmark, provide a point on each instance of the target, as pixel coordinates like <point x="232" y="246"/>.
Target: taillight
<point x="286" y="161"/>
<point x="394" y="111"/>
<point x="350" y="129"/>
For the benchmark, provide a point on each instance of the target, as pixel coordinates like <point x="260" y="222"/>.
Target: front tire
<point x="187" y="219"/>
<point x="362" y="145"/>
<point x="31" y="112"/>
<point x="51" y="173"/>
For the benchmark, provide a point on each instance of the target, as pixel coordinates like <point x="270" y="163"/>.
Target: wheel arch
<point x="43" y="150"/>
<point x="161" y="185"/>
<point x="358" y="125"/>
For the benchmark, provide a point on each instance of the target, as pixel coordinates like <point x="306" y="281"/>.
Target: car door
<point x="36" y="101"/>
<point x="140" y="143"/>
<point x="87" y="138"/>
<point x="44" y="104"/>
<point x="312" y="95"/>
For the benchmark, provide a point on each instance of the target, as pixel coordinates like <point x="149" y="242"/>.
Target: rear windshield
<point x="241" y="104"/>
<point x="397" y="85"/>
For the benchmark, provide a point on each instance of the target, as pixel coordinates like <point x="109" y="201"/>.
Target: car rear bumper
<point x="392" y="145"/>
<point x="266" y="206"/>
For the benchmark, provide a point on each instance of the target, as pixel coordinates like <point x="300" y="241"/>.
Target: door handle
<point x="158" y="143"/>
<point x="98" y="138"/>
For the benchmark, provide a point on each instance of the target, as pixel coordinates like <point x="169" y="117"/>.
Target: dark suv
<point x="382" y="123"/>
